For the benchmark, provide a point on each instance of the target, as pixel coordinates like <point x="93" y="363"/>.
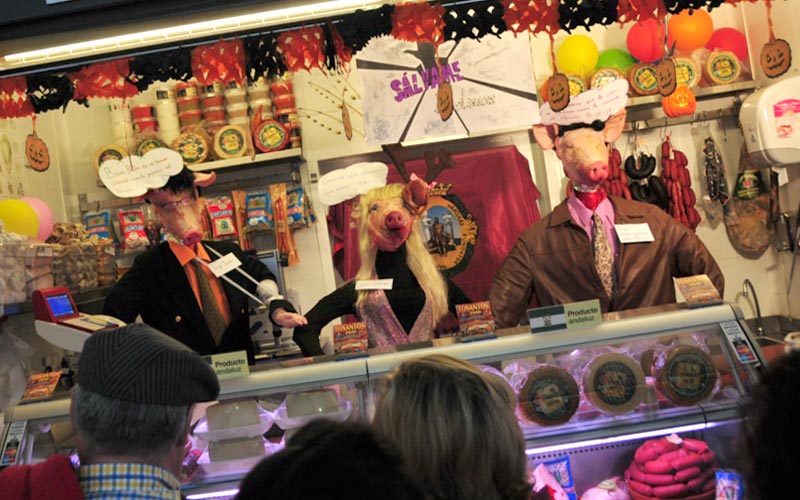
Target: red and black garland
<point x="103" y="80"/>
<point x="160" y="67"/>
<point x="223" y="62"/>
<point x="302" y="48"/>
<point x="50" y="91"/>
<point x="575" y="13"/>
<point x="358" y="28"/>
<point x="14" y="102"/>
<point x="474" y="20"/>
<point x="263" y="59"/>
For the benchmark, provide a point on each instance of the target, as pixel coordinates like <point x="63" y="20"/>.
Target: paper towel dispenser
<point x="770" y="119"/>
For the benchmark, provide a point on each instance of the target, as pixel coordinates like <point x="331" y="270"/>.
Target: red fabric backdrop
<point x="495" y="185"/>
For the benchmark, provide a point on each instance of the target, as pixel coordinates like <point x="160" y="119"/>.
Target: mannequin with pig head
<point x="554" y="261"/>
<point x="391" y="247"/>
<point x="164" y="285"/>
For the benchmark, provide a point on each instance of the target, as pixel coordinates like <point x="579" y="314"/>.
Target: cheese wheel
<point x="270" y="135"/>
<point x="604" y="76"/>
<point x="687" y="72"/>
<point x="230" y="414"/>
<point x="550" y="396"/>
<point x="148" y="144"/>
<point x="192" y="147"/>
<point x="614" y="383"/>
<point x="722" y="67"/>
<point x="576" y="84"/>
<point x="108" y="152"/>
<point x="643" y="79"/>
<point x="230" y="142"/>
<point x="685" y="375"/>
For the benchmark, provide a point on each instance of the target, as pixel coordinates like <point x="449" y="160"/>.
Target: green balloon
<point x="615" y="58"/>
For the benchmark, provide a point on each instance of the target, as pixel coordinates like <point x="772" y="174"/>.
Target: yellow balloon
<point x="19" y="217"/>
<point x="577" y="55"/>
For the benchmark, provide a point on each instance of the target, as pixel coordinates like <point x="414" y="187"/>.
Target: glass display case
<point x="594" y="394"/>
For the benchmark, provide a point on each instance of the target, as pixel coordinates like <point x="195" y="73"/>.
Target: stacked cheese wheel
<point x="671" y="467"/>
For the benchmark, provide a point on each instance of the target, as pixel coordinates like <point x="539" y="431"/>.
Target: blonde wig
<point x="456" y="428"/>
<point x="419" y="260"/>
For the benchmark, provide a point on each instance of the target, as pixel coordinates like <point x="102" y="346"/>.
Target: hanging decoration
<point x="160" y="67"/>
<point x="536" y="16"/>
<point x="103" y="80"/>
<point x="474" y="20"/>
<point x="48" y="92"/>
<point x="14" y="102"/>
<point x="418" y="23"/>
<point x="358" y="28"/>
<point x="223" y="61"/>
<point x="640" y="10"/>
<point x="302" y="48"/>
<point x="263" y="59"/>
<point x="337" y="54"/>
<point x="776" y="55"/>
<point x="579" y="13"/>
<point x="36" y="151"/>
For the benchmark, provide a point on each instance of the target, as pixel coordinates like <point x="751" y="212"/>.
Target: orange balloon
<point x="690" y="29"/>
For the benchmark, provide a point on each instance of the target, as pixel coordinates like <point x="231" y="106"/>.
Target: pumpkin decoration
<point x="776" y="57"/>
<point x="557" y="91"/>
<point x="37" y="153"/>
<point x="666" y="77"/>
<point x="444" y="101"/>
<point x="680" y="102"/>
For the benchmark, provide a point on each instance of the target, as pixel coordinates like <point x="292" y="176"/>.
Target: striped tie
<point x="603" y="258"/>
<point x="211" y="312"/>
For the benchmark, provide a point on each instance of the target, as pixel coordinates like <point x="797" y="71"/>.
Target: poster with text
<point x="411" y="91"/>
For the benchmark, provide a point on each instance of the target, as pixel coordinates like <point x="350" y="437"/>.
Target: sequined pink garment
<point x="383" y="327"/>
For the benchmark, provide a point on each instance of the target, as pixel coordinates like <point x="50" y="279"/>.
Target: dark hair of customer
<point x="772" y="433"/>
<point x="327" y="459"/>
<point x="181" y="182"/>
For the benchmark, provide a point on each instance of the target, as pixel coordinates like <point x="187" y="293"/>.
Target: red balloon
<point x="729" y="39"/>
<point x="646" y="40"/>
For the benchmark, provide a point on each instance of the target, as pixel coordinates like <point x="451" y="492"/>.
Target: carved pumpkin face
<point x="444" y="101"/>
<point x="666" y="77"/>
<point x="37" y="153"/>
<point x="776" y="58"/>
<point x="558" y="92"/>
<point x="680" y="102"/>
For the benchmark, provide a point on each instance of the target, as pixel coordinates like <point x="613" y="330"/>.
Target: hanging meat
<point x="617" y="181"/>
<point x="715" y="188"/>
<point x="678" y="183"/>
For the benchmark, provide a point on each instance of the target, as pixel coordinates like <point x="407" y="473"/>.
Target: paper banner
<point x="346" y="183"/>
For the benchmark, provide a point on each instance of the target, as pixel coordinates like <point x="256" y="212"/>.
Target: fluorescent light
<point x="216" y="494"/>
<point x="185" y="32"/>
<point x="625" y="437"/>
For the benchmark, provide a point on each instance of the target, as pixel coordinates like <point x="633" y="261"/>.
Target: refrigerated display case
<point x="600" y="438"/>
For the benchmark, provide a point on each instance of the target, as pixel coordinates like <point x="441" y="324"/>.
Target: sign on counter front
<point x="229" y="364"/>
<point x="561" y="317"/>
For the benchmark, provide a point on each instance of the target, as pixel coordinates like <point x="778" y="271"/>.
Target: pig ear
<point x="545" y="136"/>
<point x="204" y="180"/>
<point x="614" y="126"/>
<point x="415" y="194"/>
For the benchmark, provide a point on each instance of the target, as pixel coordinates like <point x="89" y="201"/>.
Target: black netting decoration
<point x="575" y="13"/>
<point x="173" y="64"/>
<point x="331" y="62"/>
<point x="263" y="58"/>
<point x="474" y="20"/>
<point x="675" y="6"/>
<point x="358" y="28"/>
<point x="50" y="91"/>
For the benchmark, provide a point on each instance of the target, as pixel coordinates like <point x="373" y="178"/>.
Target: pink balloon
<point x="645" y="40"/>
<point x="729" y="39"/>
<point x="44" y="214"/>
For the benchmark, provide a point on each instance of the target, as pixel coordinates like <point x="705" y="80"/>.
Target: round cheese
<point x="192" y="147"/>
<point x="687" y="72"/>
<point x="685" y="375"/>
<point x="722" y="67"/>
<point x="148" y="144"/>
<point x="230" y="142"/>
<point x="643" y="79"/>
<point x="614" y="383"/>
<point x="576" y="84"/>
<point x="270" y="136"/>
<point x="108" y="152"/>
<point x="604" y="76"/>
<point x="550" y="396"/>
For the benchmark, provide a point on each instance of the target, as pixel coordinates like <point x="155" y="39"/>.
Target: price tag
<point x="229" y="364"/>
<point x="12" y="445"/>
<point x="739" y="342"/>
<point x="224" y="265"/>
<point x="384" y="284"/>
<point x="110" y="250"/>
<point x="634" y="233"/>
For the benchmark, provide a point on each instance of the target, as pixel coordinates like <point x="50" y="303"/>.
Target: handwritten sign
<point x="344" y="184"/>
<point x="595" y="104"/>
<point x="134" y="175"/>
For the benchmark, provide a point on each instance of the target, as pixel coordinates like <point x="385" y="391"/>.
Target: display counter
<point x="690" y="372"/>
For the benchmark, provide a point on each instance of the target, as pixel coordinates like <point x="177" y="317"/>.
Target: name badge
<point x="224" y="264"/>
<point x="634" y="233"/>
<point x="384" y="284"/>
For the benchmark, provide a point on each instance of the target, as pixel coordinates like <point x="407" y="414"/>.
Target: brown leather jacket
<point x="552" y="261"/>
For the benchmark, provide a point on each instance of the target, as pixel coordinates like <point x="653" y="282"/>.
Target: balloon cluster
<point x="27" y="216"/>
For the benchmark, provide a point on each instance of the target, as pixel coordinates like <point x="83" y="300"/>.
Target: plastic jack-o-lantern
<point x="557" y="91"/>
<point x="37" y="153"/>
<point x="680" y="102"/>
<point x="776" y="58"/>
<point x="444" y="101"/>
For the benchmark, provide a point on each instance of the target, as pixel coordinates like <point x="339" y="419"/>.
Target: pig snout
<point x="597" y="171"/>
<point x="395" y="220"/>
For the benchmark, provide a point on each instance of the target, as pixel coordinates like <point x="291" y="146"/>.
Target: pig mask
<point x="388" y="213"/>
<point x="179" y="210"/>
<point x="582" y="148"/>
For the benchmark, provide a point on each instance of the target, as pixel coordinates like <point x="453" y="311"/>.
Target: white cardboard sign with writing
<point x="595" y="104"/>
<point x="224" y="264"/>
<point x="134" y="175"/>
<point x="346" y="183"/>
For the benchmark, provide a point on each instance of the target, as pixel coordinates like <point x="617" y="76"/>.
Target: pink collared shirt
<point x="582" y="216"/>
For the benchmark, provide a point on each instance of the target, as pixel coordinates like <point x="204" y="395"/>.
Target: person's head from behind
<point x="135" y="389"/>
<point x="772" y="433"/>
<point x="327" y="459"/>
<point x="175" y="204"/>
<point x="439" y="410"/>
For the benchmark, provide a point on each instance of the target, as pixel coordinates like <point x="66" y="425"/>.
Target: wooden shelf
<point x="245" y="161"/>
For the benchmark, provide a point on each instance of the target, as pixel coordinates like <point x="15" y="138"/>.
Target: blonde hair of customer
<point x="456" y="428"/>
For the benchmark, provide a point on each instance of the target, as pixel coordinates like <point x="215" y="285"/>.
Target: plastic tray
<point x="285" y="422"/>
<point x="201" y="429"/>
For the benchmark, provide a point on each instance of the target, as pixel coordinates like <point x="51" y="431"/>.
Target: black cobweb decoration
<point x="586" y="13"/>
<point x="48" y="91"/>
<point x="263" y="58"/>
<point x="358" y="28"/>
<point x="474" y="20"/>
<point x="173" y="64"/>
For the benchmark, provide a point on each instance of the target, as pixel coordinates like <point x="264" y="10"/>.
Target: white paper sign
<point x="595" y="104"/>
<point x="346" y="183"/>
<point x="384" y="284"/>
<point x="133" y="175"/>
<point x="634" y="233"/>
<point x="224" y="264"/>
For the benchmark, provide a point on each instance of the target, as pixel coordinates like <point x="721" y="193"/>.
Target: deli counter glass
<point x="589" y="396"/>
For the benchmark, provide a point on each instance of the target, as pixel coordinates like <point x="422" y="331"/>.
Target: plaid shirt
<point x="127" y="481"/>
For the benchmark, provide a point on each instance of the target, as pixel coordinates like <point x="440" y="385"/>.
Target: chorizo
<point x="641" y="488"/>
<point x="685" y="475"/>
<point x="658" y="466"/>
<point x="671" y="491"/>
<point x="686" y="462"/>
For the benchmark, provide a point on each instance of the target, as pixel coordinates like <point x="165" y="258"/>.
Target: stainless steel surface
<point x="775" y="327"/>
<point x="748" y="285"/>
